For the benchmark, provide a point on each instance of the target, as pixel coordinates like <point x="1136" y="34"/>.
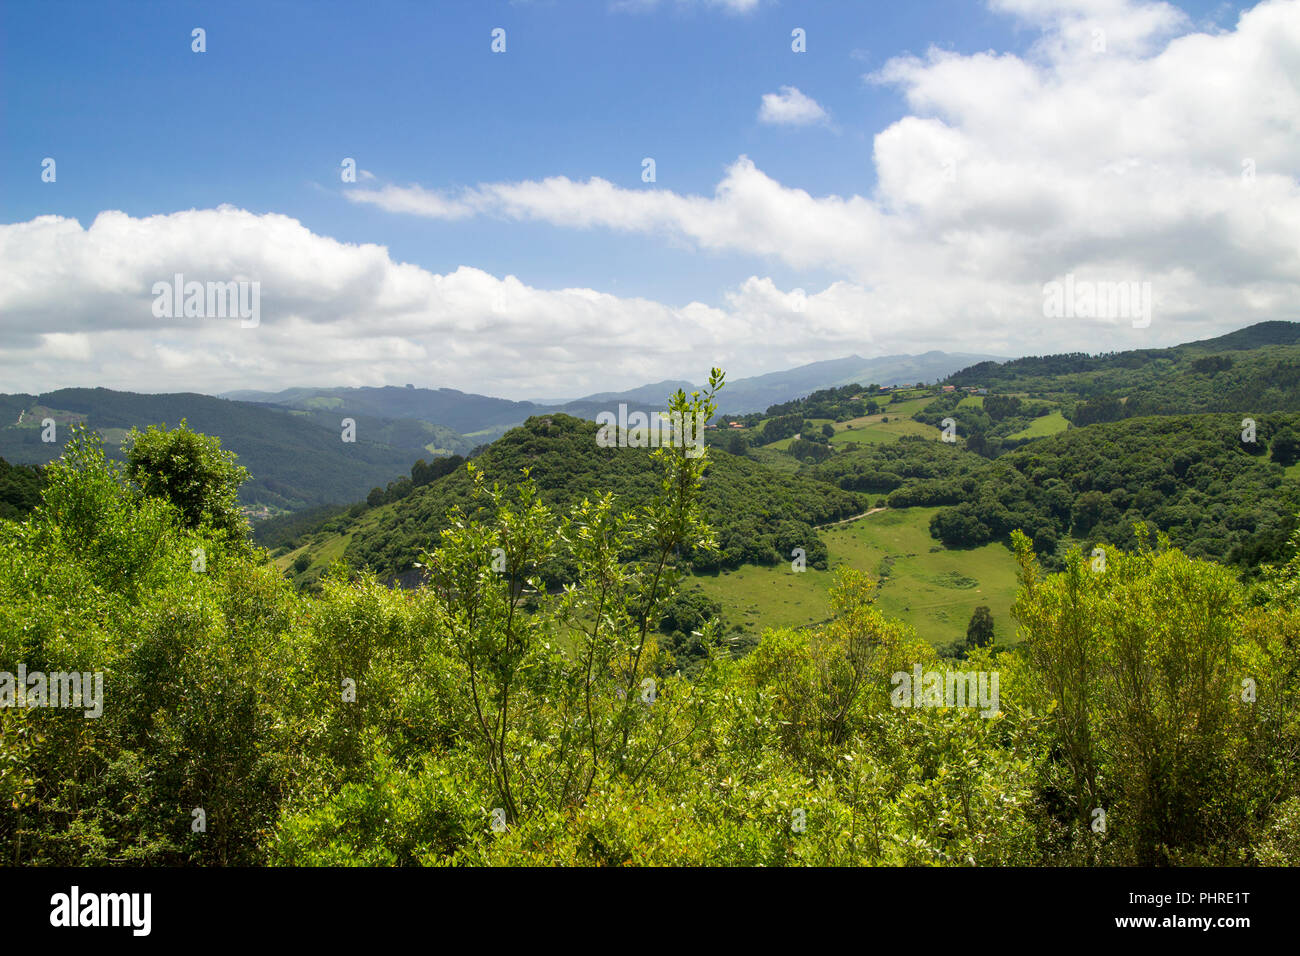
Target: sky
<point x="457" y="193"/>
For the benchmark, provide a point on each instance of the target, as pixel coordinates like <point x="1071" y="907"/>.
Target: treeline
<point x="422" y="472"/>
<point x="1192" y="477"/>
<point x="838" y="404"/>
<point x="759" y="515"/>
<point x="1254" y="372"/>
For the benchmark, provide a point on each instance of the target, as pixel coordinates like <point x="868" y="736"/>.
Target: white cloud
<point x="1123" y="163"/>
<point x="1115" y="164"/>
<point x="790" y="107"/>
<point x="76" y="309"/>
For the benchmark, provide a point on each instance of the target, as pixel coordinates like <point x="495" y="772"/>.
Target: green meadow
<point x="932" y="588"/>
<point x="1048" y="424"/>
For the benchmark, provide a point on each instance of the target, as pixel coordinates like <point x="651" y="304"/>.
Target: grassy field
<point x="930" y="587"/>
<point x="325" y="548"/>
<point x="1048" y="424"/>
<point x="873" y="430"/>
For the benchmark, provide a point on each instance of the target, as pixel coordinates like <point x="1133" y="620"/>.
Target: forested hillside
<point x="1253" y="371"/>
<point x="1192" y="477"/>
<point x="759" y="515"/>
<point x="297" y="459"/>
<point x="20" y="489"/>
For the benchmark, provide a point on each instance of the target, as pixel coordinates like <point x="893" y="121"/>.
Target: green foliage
<point x="837" y="404"/>
<point x="20" y="489"/>
<point x="1171" y="702"/>
<point x="809" y="451"/>
<point x="364" y="725"/>
<point x="1285" y="447"/>
<point x="192" y="472"/>
<point x="1189" y="476"/>
<point x="99" y="579"/>
<point x="918" y="469"/>
<point x="979" y="633"/>
<point x="749" y="506"/>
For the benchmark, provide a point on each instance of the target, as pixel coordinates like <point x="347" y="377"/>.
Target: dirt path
<point x="832" y="524"/>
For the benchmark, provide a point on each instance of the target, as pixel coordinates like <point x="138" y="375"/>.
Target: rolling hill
<point x="296" y="459"/>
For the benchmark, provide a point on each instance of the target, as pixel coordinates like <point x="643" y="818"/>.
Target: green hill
<point x="296" y="460"/>
<point x="1191" y="476"/>
<point x="1255" y="370"/>
<point x="759" y="514"/>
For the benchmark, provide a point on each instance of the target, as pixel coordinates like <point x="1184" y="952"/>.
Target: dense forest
<point x="759" y="515"/>
<point x="20" y="489"/>
<point x="1193" y="477"/>
<point x="297" y="458"/>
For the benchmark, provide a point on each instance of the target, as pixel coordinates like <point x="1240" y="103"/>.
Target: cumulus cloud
<point x="1118" y="148"/>
<point x="76" y="307"/>
<point x="790" y="107"/>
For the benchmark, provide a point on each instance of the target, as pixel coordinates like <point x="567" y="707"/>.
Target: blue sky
<point x="138" y="123"/>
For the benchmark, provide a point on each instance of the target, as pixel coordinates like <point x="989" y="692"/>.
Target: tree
<point x="736" y="442"/>
<point x="828" y="430"/>
<point x="1285" y="448"/>
<point x="979" y="632"/>
<point x="193" y="472"/>
<point x="1141" y="668"/>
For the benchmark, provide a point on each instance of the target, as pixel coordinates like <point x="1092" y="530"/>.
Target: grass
<point x="1048" y="424"/>
<point x="932" y="588"/>
<point x="325" y="548"/>
<point x="773" y="458"/>
<point x="872" y="430"/>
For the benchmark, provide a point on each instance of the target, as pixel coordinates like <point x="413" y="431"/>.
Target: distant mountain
<point x="757" y="393"/>
<point x="460" y="411"/>
<point x="297" y="459"/>
<point x="483" y="417"/>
